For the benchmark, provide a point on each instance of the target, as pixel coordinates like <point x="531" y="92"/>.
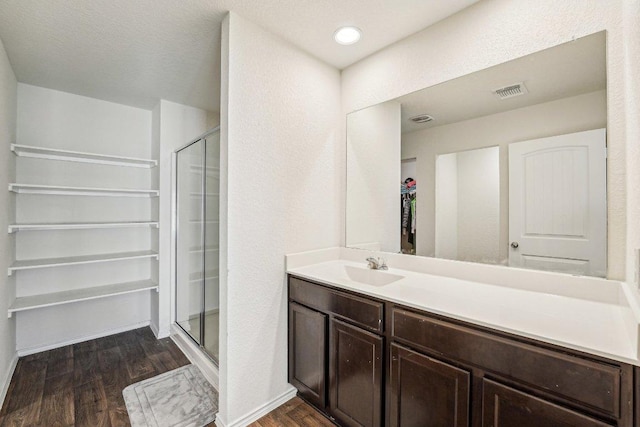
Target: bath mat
<point x="180" y="398"/>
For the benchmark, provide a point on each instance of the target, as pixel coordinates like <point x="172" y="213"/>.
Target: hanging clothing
<point x="411" y="235"/>
<point x="406" y="211"/>
<point x="408" y="214"/>
<point x="413" y="215"/>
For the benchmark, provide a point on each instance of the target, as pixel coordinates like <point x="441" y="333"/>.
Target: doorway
<point x="197" y="224"/>
<point x="558" y="203"/>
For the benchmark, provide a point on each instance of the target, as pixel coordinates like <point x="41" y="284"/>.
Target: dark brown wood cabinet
<point x="336" y="352"/>
<point x="367" y="362"/>
<point x="355" y="375"/>
<point x="307" y="356"/>
<point x="425" y="392"/>
<point x="504" y="406"/>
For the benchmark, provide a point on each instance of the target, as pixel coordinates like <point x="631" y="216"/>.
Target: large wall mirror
<point x="503" y="166"/>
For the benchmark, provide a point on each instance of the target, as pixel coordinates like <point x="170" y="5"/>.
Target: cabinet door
<point x="426" y="392"/>
<point x="307" y="353"/>
<point x="503" y="406"/>
<point x="355" y="375"/>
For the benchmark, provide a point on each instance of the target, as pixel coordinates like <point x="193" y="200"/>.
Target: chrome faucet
<point x="377" y="263"/>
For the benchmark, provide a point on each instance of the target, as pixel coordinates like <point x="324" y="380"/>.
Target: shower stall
<point x="197" y="215"/>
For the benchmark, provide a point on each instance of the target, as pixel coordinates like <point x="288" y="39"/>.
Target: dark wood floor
<point x="81" y="384"/>
<point x="295" y="412"/>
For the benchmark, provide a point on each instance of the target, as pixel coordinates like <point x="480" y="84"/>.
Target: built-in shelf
<point x="196" y="281"/>
<point x="75" y="260"/>
<point x="196" y="250"/>
<point x="78" y="156"/>
<point x="81" y="225"/>
<point x="80" y="191"/>
<point x="194" y="195"/>
<point x="199" y="168"/>
<point x="66" y="297"/>
<point x="198" y="276"/>
<point x="209" y="221"/>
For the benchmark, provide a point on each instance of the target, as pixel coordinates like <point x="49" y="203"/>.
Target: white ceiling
<point x="565" y="70"/>
<point x="138" y="51"/>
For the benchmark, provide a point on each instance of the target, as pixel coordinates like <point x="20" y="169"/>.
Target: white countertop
<point x="607" y="328"/>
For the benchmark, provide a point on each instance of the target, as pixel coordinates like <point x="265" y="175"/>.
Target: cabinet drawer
<point x="590" y="383"/>
<point x="503" y="406"/>
<point x="362" y="311"/>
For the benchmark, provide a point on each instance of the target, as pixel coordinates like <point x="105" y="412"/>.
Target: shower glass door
<point x="197" y="241"/>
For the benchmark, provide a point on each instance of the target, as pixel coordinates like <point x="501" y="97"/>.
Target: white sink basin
<point x="370" y="277"/>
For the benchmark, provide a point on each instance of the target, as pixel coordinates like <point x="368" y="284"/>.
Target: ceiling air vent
<point x="510" y="91"/>
<point x="422" y="118"/>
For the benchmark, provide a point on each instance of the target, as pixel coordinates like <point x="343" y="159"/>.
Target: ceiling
<point x="136" y="52"/>
<point x="565" y="70"/>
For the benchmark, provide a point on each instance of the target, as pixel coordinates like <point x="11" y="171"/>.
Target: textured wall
<point x="573" y="114"/>
<point x="631" y="14"/>
<point x="8" y="100"/>
<point x="373" y="177"/>
<point x="279" y="133"/>
<point x="494" y="31"/>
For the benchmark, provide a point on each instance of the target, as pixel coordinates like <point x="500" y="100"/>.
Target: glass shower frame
<point x="202" y="222"/>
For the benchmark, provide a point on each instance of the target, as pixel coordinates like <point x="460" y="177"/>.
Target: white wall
<point x="494" y="31"/>
<point x="8" y="101"/>
<point x="174" y="125"/>
<point x="631" y="17"/>
<point x="57" y="119"/>
<point x="407" y="169"/>
<point x="373" y="177"/>
<point x="478" y="210"/>
<point x="446" y="208"/>
<point x="467" y="207"/>
<point x="582" y="112"/>
<point x="280" y="137"/>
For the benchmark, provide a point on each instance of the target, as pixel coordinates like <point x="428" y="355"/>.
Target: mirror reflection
<point x="503" y="166"/>
<point x="468" y="205"/>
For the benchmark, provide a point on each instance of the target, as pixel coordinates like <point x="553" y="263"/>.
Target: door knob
<point x="514" y="245"/>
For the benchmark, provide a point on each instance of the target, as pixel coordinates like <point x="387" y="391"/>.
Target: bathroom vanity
<point x="398" y="348"/>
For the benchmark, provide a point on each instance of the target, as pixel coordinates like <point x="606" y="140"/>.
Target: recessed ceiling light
<point x="347" y="35"/>
<point x="422" y="118"/>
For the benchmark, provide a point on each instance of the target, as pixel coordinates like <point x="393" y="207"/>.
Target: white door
<point x="558" y="203"/>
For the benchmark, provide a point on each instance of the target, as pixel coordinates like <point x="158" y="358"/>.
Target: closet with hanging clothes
<point x="408" y="215"/>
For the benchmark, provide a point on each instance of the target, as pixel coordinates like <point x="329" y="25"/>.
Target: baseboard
<point x="261" y="411"/>
<point x="219" y="422"/>
<point x="196" y="356"/>
<point x="154" y="329"/>
<point x="159" y="333"/>
<point x="7" y="378"/>
<point x="32" y="350"/>
<point x="163" y="333"/>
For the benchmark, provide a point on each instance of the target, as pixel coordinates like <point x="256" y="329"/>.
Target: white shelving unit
<point x="80" y="225"/>
<point x="77" y="260"/>
<point x="78" y="156"/>
<point x="87" y="291"/>
<point x="200" y="250"/>
<point x="198" y="168"/>
<point x="85" y="294"/>
<point x="80" y="191"/>
<point x="200" y="194"/>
